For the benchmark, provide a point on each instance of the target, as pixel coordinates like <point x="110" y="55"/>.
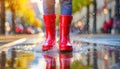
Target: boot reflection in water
<point x="65" y="22"/>
<point x="50" y="60"/>
<point x="65" y="60"/>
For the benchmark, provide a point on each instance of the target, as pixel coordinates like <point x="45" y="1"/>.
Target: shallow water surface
<point x="84" y="56"/>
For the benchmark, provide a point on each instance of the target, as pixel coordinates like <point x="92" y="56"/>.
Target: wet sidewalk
<point x="20" y="40"/>
<point x="4" y="39"/>
<point x="86" y="55"/>
<point x="107" y="39"/>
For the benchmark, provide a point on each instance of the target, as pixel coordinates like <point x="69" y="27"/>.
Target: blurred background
<point x="90" y="16"/>
<point x="97" y="51"/>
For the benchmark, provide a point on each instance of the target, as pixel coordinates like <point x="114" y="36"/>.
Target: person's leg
<point x="66" y="7"/>
<point x="49" y="21"/>
<point x="65" y="23"/>
<point x="49" y="7"/>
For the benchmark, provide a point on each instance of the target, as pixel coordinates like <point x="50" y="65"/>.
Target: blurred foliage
<point x="79" y="4"/>
<point x="28" y="16"/>
<point x="79" y="65"/>
<point x="21" y="8"/>
<point x="37" y="23"/>
<point x="16" y="5"/>
<point x="22" y="61"/>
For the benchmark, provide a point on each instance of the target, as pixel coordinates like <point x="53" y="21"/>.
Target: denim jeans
<point x="65" y="7"/>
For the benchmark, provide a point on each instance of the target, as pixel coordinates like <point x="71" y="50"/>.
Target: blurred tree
<point x="87" y="4"/>
<point x="14" y="7"/>
<point x="28" y="15"/>
<point x="19" y="9"/>
<point x="116" y="27"/>
<point x="94" y="17"/>
<point x="87" y="20"/>
<point x="2" y="13"/>
<point x="79" y="4"/>
<point x="37" y="23"/>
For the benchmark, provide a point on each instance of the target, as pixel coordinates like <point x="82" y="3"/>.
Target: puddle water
<point x="84" y="56"/>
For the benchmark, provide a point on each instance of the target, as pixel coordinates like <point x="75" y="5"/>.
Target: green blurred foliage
<point x="79" y="65"/>
<point x="79" y="4"/>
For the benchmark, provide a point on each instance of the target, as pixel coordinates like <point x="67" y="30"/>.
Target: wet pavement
<point x="86" y="55"/>
<point x="100" y="39"/>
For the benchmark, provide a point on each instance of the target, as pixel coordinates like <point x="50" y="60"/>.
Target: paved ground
<point x="21" y="40"/>
<point x="33" y="43"/>
<point x="30" y="41"/>
<point x="107" y="39"/>
<point x="10" y="38"/>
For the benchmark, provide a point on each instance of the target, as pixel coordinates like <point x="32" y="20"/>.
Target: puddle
<point x="84" y="56"/>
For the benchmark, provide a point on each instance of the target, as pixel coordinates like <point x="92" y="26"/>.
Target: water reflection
<point x="50" y="61"/>
<point x="3" y="60"/>
<point x="90" y="56"/>
<point x="95" y="57"/>
<point x="65" y="60"/>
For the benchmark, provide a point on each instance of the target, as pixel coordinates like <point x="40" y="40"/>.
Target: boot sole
<point x="65" y="51"/>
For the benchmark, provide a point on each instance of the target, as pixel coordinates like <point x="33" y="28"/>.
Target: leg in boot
<point x="49" y="21"/>
<point x="50" y="32"/>
<point x="65" y="44"/>
<point x="65" y="23"/>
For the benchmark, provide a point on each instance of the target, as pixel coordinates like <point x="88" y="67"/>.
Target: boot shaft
<point x="49" y="21"/>
<point x="65" y="23"/>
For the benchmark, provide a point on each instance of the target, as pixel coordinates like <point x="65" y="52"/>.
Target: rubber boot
<point x="50" y="60"/>
<point x="49" y="21"/>
<point x="65" y="60"/>
<point x="65" y="23"/>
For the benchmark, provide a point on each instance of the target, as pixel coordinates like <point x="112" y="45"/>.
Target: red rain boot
<point x="65" y="23"/>
<point x="65" y="60"/>
<point x="51" y="63"/>
<point x="49" y="21"/>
